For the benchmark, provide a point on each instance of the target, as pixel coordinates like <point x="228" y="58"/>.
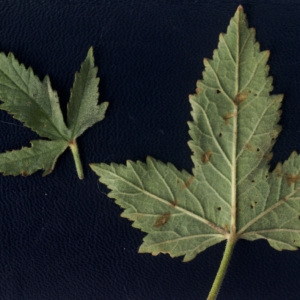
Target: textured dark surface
<point x="62" y="238"/>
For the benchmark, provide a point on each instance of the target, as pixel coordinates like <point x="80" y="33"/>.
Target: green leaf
<point x="41" y="155"/>
<point x="35" y="103"/>
<point x="30" y="100"/>
<point x="163" y="202"/>
<point x="83" y="111"/>
<point x="231" y="194"/>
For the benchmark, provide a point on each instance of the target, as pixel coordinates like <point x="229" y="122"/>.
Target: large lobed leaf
<point x="35" y="103"/>
<point x="231" y="193"/>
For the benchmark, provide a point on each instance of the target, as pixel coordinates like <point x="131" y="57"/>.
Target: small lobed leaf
<point x="36" y="104"/>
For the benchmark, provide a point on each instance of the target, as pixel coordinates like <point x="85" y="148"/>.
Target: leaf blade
<point x="83" y="110"/>
<point x="41" y="155"/>
<point x="226" y="90"/>
<point x="30" y="100"/>
<point x="279" y="222"/>
<point x="136" y="187"/>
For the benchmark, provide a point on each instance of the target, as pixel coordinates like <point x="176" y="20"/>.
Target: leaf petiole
<point x="74" y="148"/>
<point x="222" y="269"/>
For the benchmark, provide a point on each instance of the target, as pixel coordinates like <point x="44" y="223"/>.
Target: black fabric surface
<point x="62" y="238"/>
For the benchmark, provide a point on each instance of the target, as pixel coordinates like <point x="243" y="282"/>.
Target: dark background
<point x="62" y="238"/>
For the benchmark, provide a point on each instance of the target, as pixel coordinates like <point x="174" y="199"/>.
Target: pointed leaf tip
<point x="83" y="110"/>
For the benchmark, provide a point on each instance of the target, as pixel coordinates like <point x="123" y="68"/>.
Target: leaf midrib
<point x="235" y="137"/>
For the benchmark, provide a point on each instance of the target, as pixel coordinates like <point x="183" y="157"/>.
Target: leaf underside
<point x="36" y="104"/>
<point x="230" y="191"/>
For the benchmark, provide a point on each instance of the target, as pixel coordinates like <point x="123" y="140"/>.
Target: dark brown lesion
<point x="241" y="97"/>
<point x="188" y="182"/>
<point x="228" y="116"/>
<point x="249" y="147"/>
<point x="268" y="156"/>
<point x="174" y="202"/>
<point x="24" y="173"/>
<point x="292" y="178"/>
<point x="278" y="170"/>
<point x="162" y="220"/>
<point x="206" y="156"/>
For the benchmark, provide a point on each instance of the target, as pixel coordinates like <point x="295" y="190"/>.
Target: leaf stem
<point x="74" y="148"/>
<point x="222" y="269"/>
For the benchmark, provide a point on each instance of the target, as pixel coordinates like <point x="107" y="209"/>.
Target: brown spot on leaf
<point x="240" y="97"/>
<point x="292" y="178"/>
<point x="249" y="147"/>
<point x="162" y="220"/>
<point x="268" y="157"/>
<point x="198" y="90"/>
<point x="206" y="156"/>
<point x="278" y="170"/>
<point x="23" y="173"/>
<point x="72" y="142"/>
<point x="174" y="202"/>
<point x="228" y="116"/>
<point x="188" y="182"/>
<point x="226" y="227"/>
